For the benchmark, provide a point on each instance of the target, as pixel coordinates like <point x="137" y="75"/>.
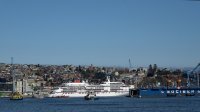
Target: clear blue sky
<point x="100" y="32"/>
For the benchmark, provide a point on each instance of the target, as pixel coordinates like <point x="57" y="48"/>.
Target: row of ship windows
<point x="88" y="88"/>
<point x="96" y="92"/>
<point x="91" y="87"/>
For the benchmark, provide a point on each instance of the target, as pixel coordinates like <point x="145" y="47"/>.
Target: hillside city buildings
<point x="30" y="78"/>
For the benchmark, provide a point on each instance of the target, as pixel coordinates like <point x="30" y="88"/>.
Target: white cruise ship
<point x="106" y="89"/>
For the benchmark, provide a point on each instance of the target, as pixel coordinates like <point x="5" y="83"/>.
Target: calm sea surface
<point x="120" y="104"/>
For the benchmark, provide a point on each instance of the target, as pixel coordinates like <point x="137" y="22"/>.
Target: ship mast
<point x="12" y="74"/>
<point x="130" y="64"/>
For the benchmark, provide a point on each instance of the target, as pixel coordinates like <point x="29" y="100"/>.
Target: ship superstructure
<point x="106" y="89"/>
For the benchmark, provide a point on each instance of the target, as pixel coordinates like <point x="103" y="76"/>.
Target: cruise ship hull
<point x="98" y="94"/>
<point x="106" y="89"/>
<point x="109" y="94"/>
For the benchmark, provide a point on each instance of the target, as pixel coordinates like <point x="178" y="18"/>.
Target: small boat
<point x="16" y="96"/>
<point x="38" y="95"/>
<point x="57" y="93"/>
<point x="91" y="96"/>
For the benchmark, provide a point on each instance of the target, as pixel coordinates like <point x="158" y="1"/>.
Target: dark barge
<point x="164" y="92"/>
<point x="168" y="91"/>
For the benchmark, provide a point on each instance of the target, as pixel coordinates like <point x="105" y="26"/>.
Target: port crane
<point x="14" y="95"/>
<point x="189" y="73"/>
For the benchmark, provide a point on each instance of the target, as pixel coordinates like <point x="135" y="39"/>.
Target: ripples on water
<point x="120" y="104"/>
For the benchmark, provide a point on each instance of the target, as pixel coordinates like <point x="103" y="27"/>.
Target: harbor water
<point x="118" y="104"/>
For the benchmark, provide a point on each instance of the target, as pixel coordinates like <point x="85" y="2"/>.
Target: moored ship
<point x="167" y="91"/>
<point x="164" y="92"/>
<point x="106" y="89"/>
